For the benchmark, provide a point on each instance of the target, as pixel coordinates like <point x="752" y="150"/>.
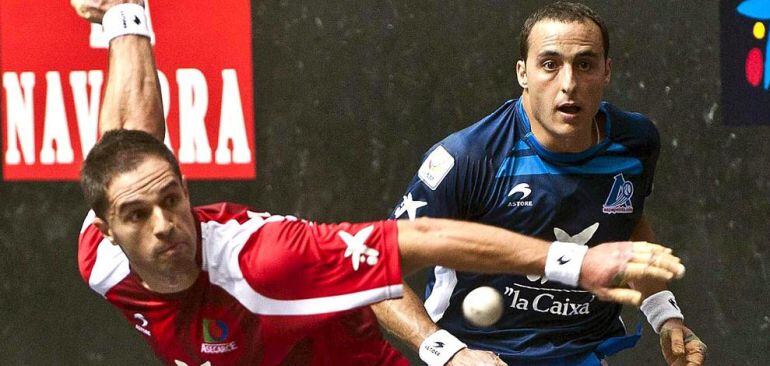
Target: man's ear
<point x="608" y="71"/>
<point x="104" y="228"/>
<point x="184" y="186"/>
<point x="521" y="73"/>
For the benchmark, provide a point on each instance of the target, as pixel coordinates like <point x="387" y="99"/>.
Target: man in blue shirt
<point x="557" y="163"/>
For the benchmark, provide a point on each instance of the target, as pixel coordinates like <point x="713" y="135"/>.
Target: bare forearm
<point x="405" y="318"/>
<point x="468" y="246"/>
<point x="132" y="97"/>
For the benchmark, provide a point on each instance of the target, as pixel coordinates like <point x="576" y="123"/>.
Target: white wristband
<point x="660" y="307"/>
<point x="564" y="261"/>
<point x="123" y="19"/>
<point x="439" y="347"/>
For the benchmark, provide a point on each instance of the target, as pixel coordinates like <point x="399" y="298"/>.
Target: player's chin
<point x="176" y="255"/>
<point x="177" y="263"/>
<point x="569" y="123"/>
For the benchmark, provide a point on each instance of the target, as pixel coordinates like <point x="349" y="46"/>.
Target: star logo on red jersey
<point x="357" y="249"/>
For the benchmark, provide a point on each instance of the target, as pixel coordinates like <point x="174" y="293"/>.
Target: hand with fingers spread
<point x="608" y="267"/>
<point x="472" y="357"/>
<point x="680" y="346"/>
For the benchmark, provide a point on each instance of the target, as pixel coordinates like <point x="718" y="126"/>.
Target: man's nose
<point x="162" y="222"/>
<point x="567" y="79"/>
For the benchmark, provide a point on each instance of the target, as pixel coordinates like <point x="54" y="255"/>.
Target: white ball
<point x="483" y="306"/>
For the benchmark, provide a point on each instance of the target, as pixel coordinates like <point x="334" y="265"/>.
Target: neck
<point x="169" y="283"/>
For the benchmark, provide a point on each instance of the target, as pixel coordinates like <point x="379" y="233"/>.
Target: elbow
<point x="415" y="240"/>
<point x="429" y="232"/>
<point x="424" y="225"/>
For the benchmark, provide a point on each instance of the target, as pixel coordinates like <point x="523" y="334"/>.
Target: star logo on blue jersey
<point x="619" y="199"/>
<point x="409" y="206"/>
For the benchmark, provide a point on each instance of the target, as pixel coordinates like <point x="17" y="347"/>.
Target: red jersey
<point x="273" y="290"/>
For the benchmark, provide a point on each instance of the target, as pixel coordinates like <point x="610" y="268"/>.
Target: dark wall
<point x="348" y="96"/>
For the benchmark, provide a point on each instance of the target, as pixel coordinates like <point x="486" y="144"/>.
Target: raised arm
<point x="132" y="98"/>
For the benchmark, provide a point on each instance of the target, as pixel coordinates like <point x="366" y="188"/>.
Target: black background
<point x="349" y="94"/>
<point x="744" y="103"/>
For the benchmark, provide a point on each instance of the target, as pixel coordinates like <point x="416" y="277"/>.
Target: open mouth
<point x="569" y="109"/>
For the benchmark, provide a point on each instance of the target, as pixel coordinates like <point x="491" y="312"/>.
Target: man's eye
<point x="171" y="200"/>
<point x="584" y="66"/>
<point x="549" y="65"/>
<point x="135" y="216"/>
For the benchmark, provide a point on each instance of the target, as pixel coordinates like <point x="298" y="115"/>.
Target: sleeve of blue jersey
<point x="449" y="199"/>
<point x="651" y="151"/>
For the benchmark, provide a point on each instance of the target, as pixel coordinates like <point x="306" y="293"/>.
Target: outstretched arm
<point x="465" y="246"/>
<point x="132" y="96"/>
<point x="481" y="248"/>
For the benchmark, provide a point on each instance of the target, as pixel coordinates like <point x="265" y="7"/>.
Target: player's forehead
<point x="550" y="36"/>
<point x="151" y="177"/>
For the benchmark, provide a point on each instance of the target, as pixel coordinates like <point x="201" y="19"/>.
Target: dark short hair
<point x="117" y="152"/>
<point x="566" y="12"/>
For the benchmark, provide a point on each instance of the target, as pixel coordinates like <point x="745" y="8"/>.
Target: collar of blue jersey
<point x="555" y="157"/>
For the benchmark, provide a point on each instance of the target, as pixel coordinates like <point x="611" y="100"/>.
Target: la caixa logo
<point x="745" y="62"/>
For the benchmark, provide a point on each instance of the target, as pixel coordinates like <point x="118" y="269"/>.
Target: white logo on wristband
<point x="564" y="261"/>
<point x="439" y="347"/>
<point x="124" y="19"/>
<point x="660" y="307"/>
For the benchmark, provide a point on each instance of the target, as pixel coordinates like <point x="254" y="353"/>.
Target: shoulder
<point x="487" y="137"/>
<point x="295" y="267"/>
<point x="222" y="212"/>
<point x="632" y="129"/>
<point x="101" y="263"/>
<point x="219" y="221"/>
<point x="226" y="228"/>
<point x="88" y="242"/>
<point x="630" y="124"/>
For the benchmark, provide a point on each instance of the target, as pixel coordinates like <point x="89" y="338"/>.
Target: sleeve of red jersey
<point x="342" y="266"/>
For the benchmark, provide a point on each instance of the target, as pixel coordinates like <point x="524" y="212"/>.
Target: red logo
<point x="54" y="68"/>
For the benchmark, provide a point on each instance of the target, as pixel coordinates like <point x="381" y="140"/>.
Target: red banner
<point x="53" y="67"/>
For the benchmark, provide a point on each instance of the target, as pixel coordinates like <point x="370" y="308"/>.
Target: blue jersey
<point x="496" y="172"/>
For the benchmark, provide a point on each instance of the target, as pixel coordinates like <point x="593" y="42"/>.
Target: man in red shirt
<point x="225" y="285"/>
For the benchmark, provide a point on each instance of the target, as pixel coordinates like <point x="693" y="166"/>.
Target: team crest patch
<point x="619" y="199"/>
<point x="436" y="167"/>
<point x="215" y="334"/>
